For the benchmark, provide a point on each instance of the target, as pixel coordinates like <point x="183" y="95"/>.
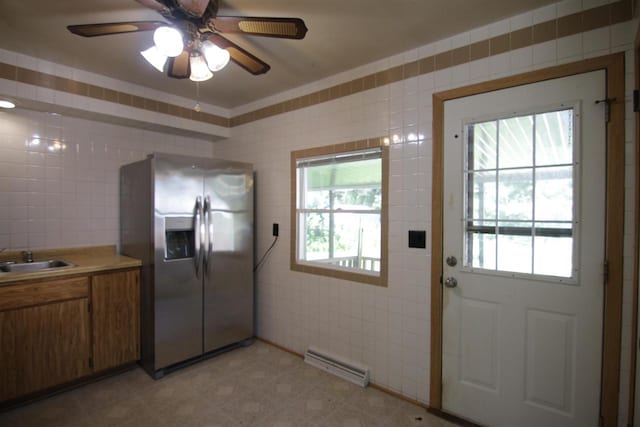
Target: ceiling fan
<point x="192" y="45"/>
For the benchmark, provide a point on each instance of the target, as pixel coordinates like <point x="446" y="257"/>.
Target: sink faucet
<point x="27" y="256"/>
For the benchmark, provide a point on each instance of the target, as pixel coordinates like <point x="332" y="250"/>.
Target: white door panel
<point x="522" y="330"/>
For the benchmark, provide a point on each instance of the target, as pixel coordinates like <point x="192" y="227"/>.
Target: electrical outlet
<point x="276" y="229"/>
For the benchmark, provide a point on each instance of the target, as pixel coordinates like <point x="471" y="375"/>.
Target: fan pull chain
<point x="197" y="108"/>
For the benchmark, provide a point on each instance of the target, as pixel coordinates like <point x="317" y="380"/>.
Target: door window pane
<point x="482" y="151"/>
<point x="481" y="244"/>
<point x="484" y="194"/>
<point x="515" y="194"/>
<point x="552" y="256"/>
<point x="554" y="193"/>
<point x="554" y="138"/>
<point x="530" y="183"/>
<point x="514" y="253"/>
<point x="515" y="145"/>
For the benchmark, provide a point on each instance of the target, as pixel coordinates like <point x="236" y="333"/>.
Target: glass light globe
<point x="216" y="58"/>
<point x="199" y="70"/>
<point x="155" y="58"/>
<point x="168" y="40"/>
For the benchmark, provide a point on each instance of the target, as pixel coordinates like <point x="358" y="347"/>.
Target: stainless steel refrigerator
<point x="190" y="221"/>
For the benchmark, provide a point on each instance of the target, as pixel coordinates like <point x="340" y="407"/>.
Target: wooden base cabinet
<point x="57" y="331"/>
<point x="115" y="306"/>
<point x="47" y="344"/>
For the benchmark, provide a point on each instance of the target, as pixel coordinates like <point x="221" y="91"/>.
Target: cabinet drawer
<point x="17" y="296"/>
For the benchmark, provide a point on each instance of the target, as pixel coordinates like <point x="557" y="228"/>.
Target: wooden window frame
<point x="352" y="275"/>
<point x="614" y="229"/>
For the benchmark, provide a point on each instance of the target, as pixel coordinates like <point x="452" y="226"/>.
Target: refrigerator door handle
<point x="208" y="225"/>
<point x="198" y="236"/>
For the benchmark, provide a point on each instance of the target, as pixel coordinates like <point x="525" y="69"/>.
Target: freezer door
<point x="228" y="291"/>
<point x="178" y="289"/>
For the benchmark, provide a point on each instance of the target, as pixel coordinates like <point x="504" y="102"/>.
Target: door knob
<point x="451" y="282"/>
<point x="452" y="261"/>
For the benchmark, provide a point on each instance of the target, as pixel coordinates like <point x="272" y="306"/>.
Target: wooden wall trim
<point x="354" y="276"/>
<point x="636" y="243"/>
<point x="437" y="175"/>
<point x="614" y="66"/>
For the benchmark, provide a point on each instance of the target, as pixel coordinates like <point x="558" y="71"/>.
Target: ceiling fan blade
<point x="179" y="67"/>
<point x="106" y="29"/>
<point x="246" y="60"/>
<point x="287" y="28"/>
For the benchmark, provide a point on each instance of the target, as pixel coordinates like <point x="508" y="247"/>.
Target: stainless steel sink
<point x="25" y="267"/>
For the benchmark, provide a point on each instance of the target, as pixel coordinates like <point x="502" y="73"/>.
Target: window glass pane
<point x="484" y="195"/>
<point x="482" y="149"/>
<point x="356" y="242"/>
<point x="481" y="240"/>
<point x="358" y="198"/>
<point x="554" y="193"/>
<point x="514" y="253"/>
<point x="320" y="199"/>
<point x="516" y="142"/>
<point x="554" y="138"/>
<point x="316" y="235"/>
<point x="553" y="255"/>
<point x="515" y="190"/>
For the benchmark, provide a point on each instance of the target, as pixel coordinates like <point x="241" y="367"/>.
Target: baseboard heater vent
<point x="347" y="370"/>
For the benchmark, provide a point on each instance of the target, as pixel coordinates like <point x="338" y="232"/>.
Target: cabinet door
<point x="115" y="299"/>
<point x="8" y="359"/>
<point x="43" y="346"/>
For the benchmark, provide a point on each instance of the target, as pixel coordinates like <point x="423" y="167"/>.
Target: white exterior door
<point x="524" y="218"/>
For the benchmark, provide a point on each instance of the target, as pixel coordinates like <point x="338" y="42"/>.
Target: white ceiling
<point x="343" y="34"/>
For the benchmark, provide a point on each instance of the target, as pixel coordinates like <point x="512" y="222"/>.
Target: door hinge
<point x="607" y="107"/>
<point x="605" y="271"/>
<point x="636" y="100"/>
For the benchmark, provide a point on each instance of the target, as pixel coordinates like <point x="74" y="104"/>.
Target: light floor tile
<point x="259" y="385"/>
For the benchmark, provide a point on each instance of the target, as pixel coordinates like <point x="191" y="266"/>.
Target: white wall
<point x="69" y="198"/>
<point x="388" y="329"/>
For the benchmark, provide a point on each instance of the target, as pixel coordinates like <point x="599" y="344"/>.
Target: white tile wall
<point x="69" y="197"/>
<point x="389" y="329"/>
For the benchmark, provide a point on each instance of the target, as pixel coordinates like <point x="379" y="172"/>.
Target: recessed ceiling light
<point x="4" y="103"/>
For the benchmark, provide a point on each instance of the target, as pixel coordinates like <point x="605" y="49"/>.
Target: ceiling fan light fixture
<point x="155" y="57"/>
<point x="216" y="58"/>
<point x="199" y="69"/>
<point x="169" y="41"/>
<point x="7" y="103"/>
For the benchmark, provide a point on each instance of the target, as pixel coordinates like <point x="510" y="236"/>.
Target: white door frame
<point x="614" y="228"/>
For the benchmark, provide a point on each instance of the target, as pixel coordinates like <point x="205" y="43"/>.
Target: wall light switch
<point x="417" y="239"/>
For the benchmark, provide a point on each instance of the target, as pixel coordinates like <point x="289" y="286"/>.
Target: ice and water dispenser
<point x="179" y="238"/>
